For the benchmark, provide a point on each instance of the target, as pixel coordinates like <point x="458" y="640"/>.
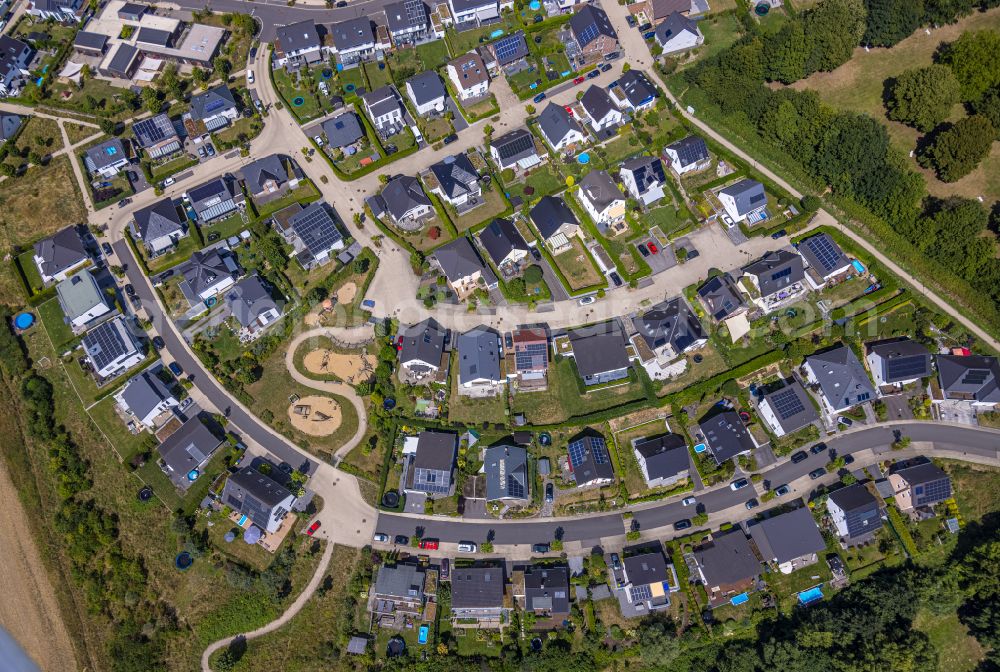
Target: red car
<point x="399" y="343"/>
<point x="312" y="528"/>
<point x="429" y="544"/>
<point x="569" y="110"/>
<point x="579" y="80"/>
<point x="652" y="247"/>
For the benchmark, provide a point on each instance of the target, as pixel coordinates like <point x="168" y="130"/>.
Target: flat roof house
<point x="208" y="273"/>
<point x="216" y="199"/>
<point x="407" y="21"/>
<point x="422" y="347"/>
<point x="58" y="10"/>
<point x="430" y="467"/>
<point x="473" y="12"/>
<point x="59" y="255"/>
<point x="187" y="450"/>
<point x="266" y="178"/>
<point x="427" y="93"/>
<point x="147" y="399"/>
<point x="477" y="597"/>
<point x="469" y="75"/>
<point x="688" y="155"/>
<point x="342" y="130"/>
<point x="603" y="201"/>
<point x="824" y="259"/>
<point x="353" y="39"/>
<point x="81" y="300"/>
<point x="920" y="486"/>
<point x="157" y="136"/>
<point x="599" y="352"/>
<point x="787" y="410"/>
<point x="600" y="109"/>
<point x="404" y="201"/>
<point x="504" y="244"/>
<point x="634" y="92"/>
<point x="678" y="33"/>
<point x="644" y="178"/>
<point x="515" y="150"/>
<point x="545" y="591"/>
<point x="506" y="469"/>
<point x="463" y="267"/>
<point x="457" y="182"/>
<point x="670" y="329"/>
<point x="106" y="159"/>
<point x="111" y="348"/>
<point x="649" y="580"/>
<point x="259" y="497"/>
<point x="590" y="36"/>
<point x="216" y="108"/>
<point x="398" y="593"/>
<point x="726" y="436"/>
<point x="589" y="461"/>
<point x="479" y="362"/>
<point x="974" y="379"/>
<point x="250" y="302"/>
<point x="727" y="566"/>
<point x="555" y="222"/>
<point x="898" y="362"/>
<point x="91" y="44"/>
<point x="663" y="459"/>
<point x="720" y="297"/>
<point x="776" y="279"/>
<point x="841" y="378"/>
<point x="790" y="540"/>
<point x="560" y="129"/>
<point x="384" y="109"/>
<point x="297" y="44"/>
<point x="855" y="514"/>
<point x="744" y="201"/>
<point x="313" y="235"/>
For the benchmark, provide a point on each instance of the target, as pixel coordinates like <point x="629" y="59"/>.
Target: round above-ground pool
<point x="24" y="321"/>
<point x="183" y="560"/>
<point x="534" y="5"/>
<point x="583" y="158"/>
<point x="298" y="101"/>
<point x="193" y="475"/>
<point x="762" y="9"/>
<point x="388" y="403"/>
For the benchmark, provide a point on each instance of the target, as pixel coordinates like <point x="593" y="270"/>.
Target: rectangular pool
<point x="700" y="448"/>
<point x="422" y="635"/>
<point x="811" y="595"/>
<point x="242" y="521"/>
<point x="737" y="600"/>
<point x="858" y="266"/>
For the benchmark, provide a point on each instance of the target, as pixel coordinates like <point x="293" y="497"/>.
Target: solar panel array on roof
<point x="521" y="143"/>
<point x="901" y="368"/>
<point x="530" y="354"/>
<point x="577" y="453"/>
<point x="600" y="450"/>
<point x="786" y="403"/>
<point x="825" y="252"/>
<point x="589" y="34"/>
<point x="316" y="229"/>
<point x="152" y="129"/>
<point x="515" y="488"/>
<point x="639" y="593"/>
<point x="975" y="377"/>
<point x="509" y="48"/>
<point x="935" y="491"/>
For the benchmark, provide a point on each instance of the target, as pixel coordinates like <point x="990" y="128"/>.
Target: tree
<point x="973" y="59"/>
<point x="832" y="29"/>
<point x="658" y="645"/>
<point x="222" y="66"/>
<point x="923" y="97"/>
<point x="533" y="274"/>
<point x="108" y="126"/>
<point x="989" y="107"/>
<point x="956" y="151"/>
<point x="889" y="21"/>
<point x="151" y="100"/>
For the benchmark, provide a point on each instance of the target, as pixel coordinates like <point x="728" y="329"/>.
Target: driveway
<point x="663" y="259"/>
<point x="952" y="411"/>
<point x="458" y="121"/>
<point x="415" y="502"/>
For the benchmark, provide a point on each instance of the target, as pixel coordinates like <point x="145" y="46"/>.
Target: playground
<point x="315" y="415"/>
<point x="351" y="368"/>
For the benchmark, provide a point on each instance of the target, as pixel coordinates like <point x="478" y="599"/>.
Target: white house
<point x="59" y="255"/>
<point x="216" y="108"/>
<point x="688" y="155"/>
<point x="258" y="497"/>
<point x="353" y="39"/>
<point x="158" y="226"/>
<point x="106" y="159"/>
<point x="515" y="150"/>
<point x="644" y="178"/>
<point x="678" y="33"/>
<point x="479" y="362"/>
<point x="111" y="348"/>
<point x="297" y="44"/>
<point x="560" y="129"/>
<point x="602" y="199"/>
<point x="841" y="378"/>
<point x="787" y="409"/>
<point x="15" y="56"/>
<point x="469" y="75"/>
<point x="81" y="299"/>
<point x="473" y="11"/>
<point x="427" y="93"/>
<point x="600" y="109"/>
<point x="384" y="110"/>
<point x="457" y="181"/>
<point x="899" y="362"/>
<point x="744" y="200"/>
<point x="146" y="398"/>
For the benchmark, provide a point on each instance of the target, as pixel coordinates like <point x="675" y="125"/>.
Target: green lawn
<point x="292" y="90"/>
<point x="355" y="76"/>
<point x="433" y="55"/>
<point x="577" y="266"/>
<point x="230" y="226"/>
<point x="957" y="650"/>
<point x="51" y="314"/>
<point x="377" y="77"/>
<point x="473" y="412"/>
<point x="565" y="397"/>
<point x="26" y="260"/>
<point x="173" y="166"/>
<point x="186" y="246"/>
<point x="541" y="181"/>
<point x="494" y="205"/>
<point x="306" y="192"/>
<point x="720" y="31"/>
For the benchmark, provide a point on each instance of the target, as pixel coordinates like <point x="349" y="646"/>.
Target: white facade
<point x="473" y="12"/>
<point x="613" y="117"/>
<point x="435" y="105"/>
<point x="130" y="357"/>
<point x="147" y="420"/>
<point x="391" y="117"/>
<point x="767" y="413"/>
<point x="675" y="163"/>
<point x="652" y="195"/>
<point x="828" y="408"/>
<point x="729" y="203"/>
<point x="683" y="40"/>
<point x="477" y="90"/>
<point x="572" y="137"/>
<point x="523" y="163"/>
<point x="837" y="517"/>
<point x="613" y="213"/>
<point x="61" y="275"/>
<point x="875" y="368"/>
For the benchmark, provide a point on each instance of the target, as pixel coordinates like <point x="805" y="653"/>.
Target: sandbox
<point x="315" y="415"/>
<point x="351" y="368"/>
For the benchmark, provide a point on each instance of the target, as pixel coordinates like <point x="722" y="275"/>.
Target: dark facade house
<point x="788" y="409"/>
<point x="920" y="486"/>
<point x="259" y="497"/>
<point x="974" y="379"/>
<point x="546" y="591"/>
<point x="422" y="347"/>
<point x="663" y="459"/>
<point x="432" y="464"/>
<point x="720" y="297"/>
<point x="726" y="435"/>
<point x="670" y="329"/>
<point x="898" y="362"/>
<point x="187" y="450"/>
<point x="789" y="540"/>
<point x="855" y="513"/>
<point x="599" y="352"/>
<point x="590" y="461"/>
<point x="727" y="566"/>
<point x="506" y="469"/>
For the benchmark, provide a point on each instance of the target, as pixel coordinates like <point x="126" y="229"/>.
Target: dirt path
<point x="28" y="610"/>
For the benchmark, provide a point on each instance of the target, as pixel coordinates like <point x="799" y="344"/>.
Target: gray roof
<point x="675" y="24"/>
<point x="555" y="123"/>
<point x="666" y="455"/>
<point x="547" y="589"/>
<point x="357" y="645"/>
<point x="382" y="100"/>
<point x="121" y="63"/>
<point x="153" y="130"/>
<point x="823" y="254"/>
<point x="60" y="251"/>
<point x="343" y="130"/>
<point x="352" y="34"/>
<point x="841" y="376"/>
<point x="423" y="342"/>
<point x="787" y="536"/>
<point x="316" y="228"/>
<point x="549" y="214"/>
<point x="132" y="9"/>
<point x="478" y="355"/>
<point x="254" y="494"/>
<point x="500" y="237"/>
<point x="720" y="296"/>
<point x="402" y="194"/>
<point x="600" y="189"/>
<point x="637" y="87"/>
<point x="160" y="38"/>
<point x="212" y="102"/>
<point x="107" y="153"/>
<point x="671" y="322"/>
<point x="725" y="435"/>
<point x="506" y="469"/>
<point x="647" y="171"/>
<point x="792" y="407"/>
<point x="901" y="359"/>
<point x="405" y="582"/>
<point x="403" y="16"/>
<point x="662" y="8"/>
<point x="248" y="299"/>
<point x="144" y="392"/>
<point x="189" y="447"/>
<point x="514" y="146"/>
<point x="972" y="377"/>
<point x="776" y="271"/>
<point x="108" y="341"/>
<point x="510" y="48"/>
<point x="728" y="559"/>
<point x="590" y="23"/>
<point x="435" y="450"/>
<point x="645" y="568"/>
<point x="477" y="588"/>
<point x="690" y="150"/>
<point x="748" y="194"/>
<point x="456" y="175"/>
<point x="426" y="87"/>
<point x="599" y="349"/>
<point x="861" y="509"/>
<point x="298" y="36"/>
<point x="465" y="5"/>
<point x="597" y="102"/>
<point x="78" y="294"/>
<point x="9" y="123"/>
<point x="929" y="484"/>
<point x="215" y="198"/>
<point x="261" y="171"/>
<point x="459" y="259"/>
<point x="92" y="41"/>
<point x="205" y="268"/>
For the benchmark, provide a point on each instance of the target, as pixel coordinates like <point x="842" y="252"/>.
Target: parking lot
<point x="660" y="260"/>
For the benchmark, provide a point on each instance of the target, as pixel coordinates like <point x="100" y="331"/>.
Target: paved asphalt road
<point x="274" y="13"/>
<point x="589" y="530"/>
<point x="207" y="385"/>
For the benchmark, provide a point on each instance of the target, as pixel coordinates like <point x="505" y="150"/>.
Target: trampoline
<point x="24" y="321"/>
<point x="349" y="88"/>
<point x="298" y="101"/>
<point x="697" y="359"/>
<point x="328" y="73"/>
<point x="390" y="499"/>
<point x="388" y="403"/>
<point x="183" y="560"/>
<point x="145" y="494"/>
<point x="536" y="644"/>
<point x="545" y="439"/>
<point x="762" y="9"/>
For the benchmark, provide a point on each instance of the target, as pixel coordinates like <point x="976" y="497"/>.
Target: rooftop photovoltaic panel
<point x="315" y="228"/>
<point x="903" y="367"/>
<point x="935" y="491"/>
<point x="781" y="274"/>
<point x="976" y="377"/>
<point x="531" y="356"/>
<point x="508" y="48"/>
<point x="787" y="403"/>
<point x="577" y="453"/>
<point x="514" y="487"/>
<point x="600" y="451"/>
<point x="153" y="129"/>
<point x="641" y="593"/>
<point x="521" y="143"/>
<point x="825" y="252"/>
<point x="588" y="34"/>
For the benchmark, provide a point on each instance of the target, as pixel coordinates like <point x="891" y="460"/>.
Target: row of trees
<point x="889" y="21"/>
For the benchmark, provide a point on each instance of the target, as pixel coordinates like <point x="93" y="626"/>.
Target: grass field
<point x="39" y="203"/>
<point x="79" y="132"/>
<point x="37" y="135"/>
<point x="494" y="205"/>
<point x="563" y="399"/>
<point x="577" y="266"/>
<point x="541" y="181"/>
<point x="957" y="650"/>
<point x="475" y="411"/>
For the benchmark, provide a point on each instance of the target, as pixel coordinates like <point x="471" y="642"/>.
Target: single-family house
<point x="678" y="33"/>
<point x="506" y="470"/>
<point x="600" y="110"/>
<point x="775" y="280"/>
<point x="897" y="362"/>
<point x="422" y="347"/>
<point x="404" y="201"/>
<point x="187" y="450"/>
<point x="15" y="56"/>
<point x="81" y="300"/>
<point x="258" y="497"/>
<point x="384" y="109"/>
<point x="297" y="44"/>
<point x="457" y="182"/>
<point x="744" y="201"/>
<point x="688" y="155"/>
<point x="589" y="461"/>
<point x="122" y="61"/>
<point x="266" y="178"/>
<point x="841" y="378"/>
<point x="720" y="297"/>
<point x="132" y="11"/>
<point x="788" y="409"/>
<point x="90" y="44"/>
<point x="474" y="12"/>
<point x="250" y="302"/>
<point x="398" y="594"/>
<point x="544" y="591"/>
<point x="464" y="268"/>
<point x="590" y="36"/>
<point x="479" y="362"/>
<point x="157" y="135"/>
<point x="670" y="329"/>
<point x="515" y="150"/>
<point x="147" y="399"/>
<point x="431" y="464"/>
<point x="111" y="348"/>
<point x="559" y="128"/>
<point x="555" y="222"/>
<point x="789" y="541"/>
<point x="469" y="75"/>
<point x="70" y="11"/>
<point x="504" y="244"/>
<point x="919" y="486"/>
<point x="726" y="565"/>
<point x="603" y="201"/>
<point x="106" y="159"/>
<point x="855" y="514"/>
<point x="725" y="435"/>
<point x="599" y="352"/>
<point x="208" y="273"/>
<point x="634" y="92"/>
<point x="216" y="199"/>
<point x="9" y="126"/>
<point x="408" y="21"/>
<point x="825" y="261"/>
<point x="427" y="93"/>
<point x="59" y="255"/>
<point x="663" y="459"/>
<point x="649" y="580"/>
<point x="973" y="379"/>
<point x="343" y="130"/>
<point x="660" y="10"/>
<point x="531" y="356"/>
<point x="313" y="234"/>
<point x="353" y="39"/>
<point x="477" y="594"/>
<point x="644" y="178"/>
<point x="510" y="52"/>
<point x="216" y="108"/>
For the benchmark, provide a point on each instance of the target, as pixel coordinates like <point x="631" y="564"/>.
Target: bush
<point x="923" y="97"/>
<point x="810" y="203"/>
<point x="533" y="274"/>
<point x="956" y="151"/>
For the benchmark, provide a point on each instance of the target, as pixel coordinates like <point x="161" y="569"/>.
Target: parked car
<point x="644" y="27"/>
<point x="799" y="456"/>
<point x="550" y="492"/>
<point x="536" y="255"/>
<point x="249" y="76"/>
<point x="401" y="540"/>
<point x="605" y="67"/>
<point x="569" y="110"/>
<point x="466" y="547"/>
<point x="136" y="301"/>
<point x="818" y="448"/>
<point x="158" y="342"/>
<point x="650" y="35"/>
<point x="445" y="568"/>
<point x="688" y="501"/>
<point x="318" y="139"/>
<point x="587" y="300"/>
<point x="201" y="152"/>
<point x="539" y="98"/>
<point x="106" y="247"/>
<point x="342" y="3"/>
<point x="615" y="279"/>
<point x="630" y="20"/>
<point x="845" y="421"/>
<point x="450" y="138"/>
<point x="253" y="53"/>
<point x="593" y="73"/>
<point x="175" y="369"/>
<point x="129" y="290"/>
<point x="381" y="538"/>
<point x="817" y="473"/>
<point x="752" y="504"/>
<point x="540" y="548"/>
<point x="612" y="56"/>
<point x="848" y="459"/>
<point x="652" y="247"/>
<point x="579" y="80"/>
<point x="693" y="254"/>
<point x="167" y="182"/>
<point x="739" y="484"/>
<point x="368" y="303"/>
<point x="782" y="490"/>
<point x="642" y="250"/>
<point x="616" y="562"/>
<point x="210" y="150"/>
<point x="429" y="544"/>
<point x="312" y="528"/>
<point x="682" y="524"/>
<point x="779" y="234"/>
<point x="125" y="201"/>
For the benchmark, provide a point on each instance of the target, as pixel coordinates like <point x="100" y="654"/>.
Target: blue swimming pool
<point x="496" y="33"/>
<point x="534" y="5"/>
<point x="700" y="448"/>
<point x="422" y="635"/>
<point x="739" y="599"/>
<point x="858" y="266"/>
<point x="583" y="158"/>
<point x="242" y="521"/>
<point x="811" y="595"/>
